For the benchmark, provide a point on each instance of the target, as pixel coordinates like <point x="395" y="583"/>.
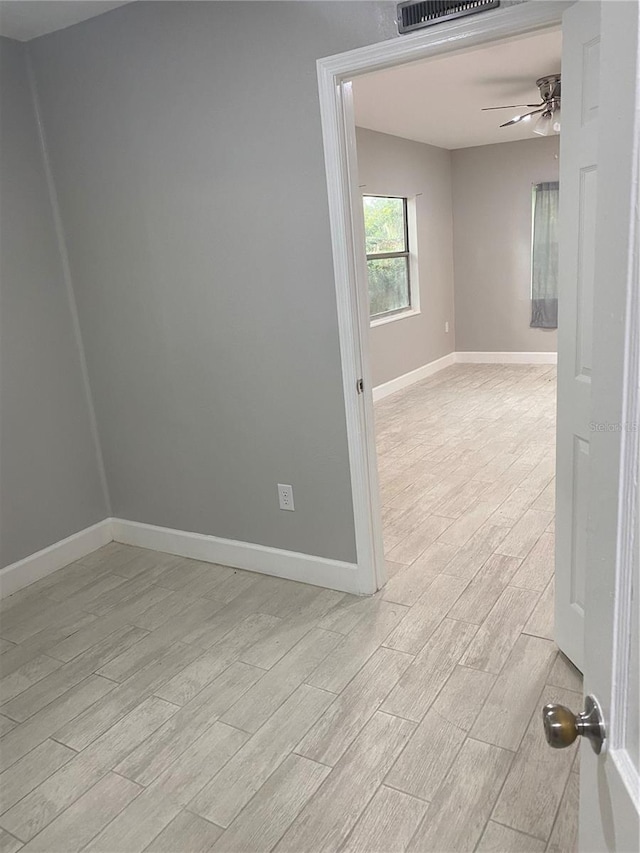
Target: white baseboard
<point x="417" y="375"/>
<point x="319" y="571"/>
<point x="507" y="357"/>
<point x="413" y="376"/>
<point x="43" y="563"/>
<point x="292" y="565"/>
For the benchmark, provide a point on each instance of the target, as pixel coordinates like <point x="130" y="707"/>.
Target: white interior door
<point x="610" y="782"/>
<point x="597" y="578"/>
<point x="578" y="188"/>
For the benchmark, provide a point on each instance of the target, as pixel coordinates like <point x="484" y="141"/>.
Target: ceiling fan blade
<point x="521" y="118"/>
<point x="512" y="106"/>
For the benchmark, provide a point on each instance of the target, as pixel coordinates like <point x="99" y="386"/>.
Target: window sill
<point x="401" y="315"/>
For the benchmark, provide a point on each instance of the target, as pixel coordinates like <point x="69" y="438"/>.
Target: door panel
<point x="610" y="782"/>
<point x="579" y="526"/>
<point x="584" y="279"/>
<point x="578" y="200"/>
<point x="598" y="453"/>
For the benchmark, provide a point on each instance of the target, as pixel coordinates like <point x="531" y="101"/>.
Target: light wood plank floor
<point x="153" y="703"/>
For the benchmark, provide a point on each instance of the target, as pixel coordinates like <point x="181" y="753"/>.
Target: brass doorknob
<point x="562" y="726"/>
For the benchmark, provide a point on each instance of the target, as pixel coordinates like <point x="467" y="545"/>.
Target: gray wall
<point x="492" y="244"/>
<point x="50" y="477"/>
<point x="389" y="165"/>
<point x="186" y="147"/>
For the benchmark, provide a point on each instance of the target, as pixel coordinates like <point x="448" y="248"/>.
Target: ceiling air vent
<point x="414" y="16"/>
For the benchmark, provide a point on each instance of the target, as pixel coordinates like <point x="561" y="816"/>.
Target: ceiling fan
<point x="548" y="108"/>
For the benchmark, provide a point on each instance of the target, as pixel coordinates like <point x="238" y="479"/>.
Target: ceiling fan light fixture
<point x="544" y="125"/>
<point x="549" y="107"/>
<point x="549" y="122"/>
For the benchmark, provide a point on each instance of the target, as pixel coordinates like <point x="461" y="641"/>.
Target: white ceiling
<point x="439" y="101"/>
<point x="27" y="19"/>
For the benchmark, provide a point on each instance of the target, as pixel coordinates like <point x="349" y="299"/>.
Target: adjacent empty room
<point x="461" y="233"/>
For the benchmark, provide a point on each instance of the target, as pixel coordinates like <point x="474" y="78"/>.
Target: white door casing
<point x="345" y="214"/>
<point x="361" y="309"/>
<point x="578" y="191"/>
<point x="610" y="782"/>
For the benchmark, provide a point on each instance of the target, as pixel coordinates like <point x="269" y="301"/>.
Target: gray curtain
<point x="544" y="262"/>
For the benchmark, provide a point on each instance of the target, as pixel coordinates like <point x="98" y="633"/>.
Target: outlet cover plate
<point x="285" y="497"/>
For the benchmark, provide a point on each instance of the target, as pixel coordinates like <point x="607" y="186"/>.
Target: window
<point x="544" y="256"/>
<point x="387" y="248"/>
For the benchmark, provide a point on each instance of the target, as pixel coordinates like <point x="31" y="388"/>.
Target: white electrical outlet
<point x="285" y="497"/>
<point x="446" y="326"/>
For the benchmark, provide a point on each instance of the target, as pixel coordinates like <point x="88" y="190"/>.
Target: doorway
<point x="345" y="199"/>
<point x="460" y="223"/>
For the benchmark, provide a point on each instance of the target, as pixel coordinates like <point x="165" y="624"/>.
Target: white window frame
<point x="414" y="278"/>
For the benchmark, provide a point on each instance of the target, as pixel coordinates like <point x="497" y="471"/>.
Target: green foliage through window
<point x="386" y="242"/>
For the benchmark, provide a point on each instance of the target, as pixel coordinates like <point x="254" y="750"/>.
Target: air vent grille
<point x="413" y="16"/>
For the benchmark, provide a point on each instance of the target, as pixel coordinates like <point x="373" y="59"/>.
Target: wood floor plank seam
<point x="348" y="841"/>
<point x="316" y="760"/>
<point x="558" y="815"/>
<point x="468" y="665"/>
<point x="96" y="760"/>
<point x="387" y="784"/>
<point x="447" y="776"/>
<point x="515" y="744"/>
<point x="401" y="766"/>
<point x="83" y="818"/>
<point x="528" y="834"/>
<point x="44" y="724"/>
